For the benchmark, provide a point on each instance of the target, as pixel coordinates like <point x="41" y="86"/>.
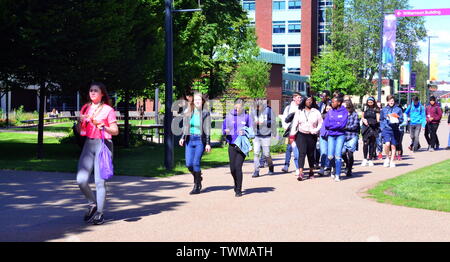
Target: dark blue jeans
<point x="194" y="152"/>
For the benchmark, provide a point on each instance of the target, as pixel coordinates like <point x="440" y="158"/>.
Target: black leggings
<point x="306" y="144"/>
<point x="370" y="146"/>
<point x="431" y="135"/>
<point x="237" y="158"/>
<point x="347" y="156"/>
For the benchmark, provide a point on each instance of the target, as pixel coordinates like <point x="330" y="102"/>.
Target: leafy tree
<point x="357" y="34"/>
<point x="251" y="78"/>
<point x="209" y="44"/>
<point x="334" y="71"/>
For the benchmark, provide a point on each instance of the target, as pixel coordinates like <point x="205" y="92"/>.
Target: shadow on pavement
<point x="45" y="206"/>
<point x="216" y="188"/>
<point x="258" y="190"/>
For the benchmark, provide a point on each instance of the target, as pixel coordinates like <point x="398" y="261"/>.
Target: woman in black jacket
<point x="196" y="136"/>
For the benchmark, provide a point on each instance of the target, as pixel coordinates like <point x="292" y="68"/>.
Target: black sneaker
<point x="255" y="174"/>
<point x="90" y="213"/>
<point x="98" y="219"/>
<point x="238" y="194"/>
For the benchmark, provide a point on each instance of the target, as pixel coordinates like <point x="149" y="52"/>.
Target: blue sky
<point x="436" y="26"/>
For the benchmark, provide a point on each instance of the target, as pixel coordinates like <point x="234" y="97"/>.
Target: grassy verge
<point x="427" y="188"/>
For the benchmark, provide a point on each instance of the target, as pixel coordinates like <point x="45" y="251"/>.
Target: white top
<point x="307" y="122"/>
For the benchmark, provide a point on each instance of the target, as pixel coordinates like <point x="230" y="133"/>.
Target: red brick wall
<point x="274" y="90"/>
<point x="263" y="23"/>
<point x="309" y="35"/>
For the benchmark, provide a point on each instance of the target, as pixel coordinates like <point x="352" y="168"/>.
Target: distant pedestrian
<point x="305" y="127"/>
<point x="390" y="119"/>
<point x="234" y="126"/>
<point x="370" y="130"/>
<point x="379" y="140"/>
<point x="433" y="118"/>
<point x="351" y="136"/>
<point x="321" y="152"/>
<point x="335" y="122"/>
<point x="416" y="114"/>
<point x="402" y="129"/>
<point x="99" y="118"/>
<point x="196" y="137"/>
<point x="286" y="122"/>
<point x="263" y="123"/>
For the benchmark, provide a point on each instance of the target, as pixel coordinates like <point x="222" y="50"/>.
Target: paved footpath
<point x="39" y="206"/>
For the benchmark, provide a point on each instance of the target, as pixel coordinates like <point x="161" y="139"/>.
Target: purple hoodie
<point x="335" y="121"/>
<point x="234" y="123"/>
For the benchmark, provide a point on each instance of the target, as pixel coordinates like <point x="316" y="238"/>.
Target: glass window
<point x="294" y="27"/>
<point x="279" y="27"/>
<point x="295" y="4"/>
<point x="293" y="50"/>
<point x="279" y="49"/>
<point x="295" y="70"/>
<point x="248" y="4"/>
<point x="279" y="5"/>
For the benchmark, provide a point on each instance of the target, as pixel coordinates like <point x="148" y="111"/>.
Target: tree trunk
<point x="7" y="108"/>
<point x="127" y="125"/>
<point x="40" y="146"/>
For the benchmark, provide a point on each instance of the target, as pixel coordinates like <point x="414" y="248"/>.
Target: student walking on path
<point x="323" y="106"/>
<point x="196" y="137"/>
<point x="286" y="122"/>
<point x="335" y="122"/>
<point x="369" y="131"/>
<point x="433" y="118"/>
<point x="351" y="136"/>
<point x="305" y="126"/>
<point x="417" y="121"/>
<point x="233" y="127"/>
<point x="263" y="122"/>
<point x="99" y="117"/>
<point x="380" y="137"/>
<point x="390" y="119"/>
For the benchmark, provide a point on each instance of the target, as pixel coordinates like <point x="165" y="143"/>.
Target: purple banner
<point x="389" y="38"/>
<point x="422" y="12"/>
<point x="413" y="81"/>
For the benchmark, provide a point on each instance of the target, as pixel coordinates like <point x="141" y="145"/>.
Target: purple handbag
<point x="105" y="158"/>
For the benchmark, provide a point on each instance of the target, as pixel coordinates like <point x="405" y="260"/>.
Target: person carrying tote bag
<point x="98" y="124"/>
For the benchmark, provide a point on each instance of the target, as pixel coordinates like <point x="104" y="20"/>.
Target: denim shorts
<point x="391" y="136"/>
<point x="351" y="145"/>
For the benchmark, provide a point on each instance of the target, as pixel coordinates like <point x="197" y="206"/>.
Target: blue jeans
<point x="287" y="158"/>
<point x="448" y="143"/>
<point x="323" y="152"/>
<point x="379" y="142"/>
<point x="194" y="152"/>
<point x="335" y="145"/>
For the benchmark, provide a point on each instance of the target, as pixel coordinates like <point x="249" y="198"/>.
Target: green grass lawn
<point x="18" y="152"/>
<point x="427" y="188"/>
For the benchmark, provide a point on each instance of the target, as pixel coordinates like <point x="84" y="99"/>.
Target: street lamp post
<point x="429" y="75"/>
<point x="168" y="115"/>
<point x="380" y="61"/>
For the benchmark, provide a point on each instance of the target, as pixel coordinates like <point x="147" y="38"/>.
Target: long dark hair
<point x="303" y="103"/>
<point x="349" y="105"/>
<point x="105" y="98"/>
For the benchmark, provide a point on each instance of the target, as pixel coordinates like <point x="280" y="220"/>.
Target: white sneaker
<point x="364" y="162"/>
<point x="332" y="176"/>
<point x="297" y="172"/>
<point x="370" y="163"/>
<point x="337" y="179"/>
<point x="392" y="164"/>
<point x="386" y="162"/>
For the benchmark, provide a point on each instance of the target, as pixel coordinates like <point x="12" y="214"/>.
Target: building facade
<point x="297" y="29"/>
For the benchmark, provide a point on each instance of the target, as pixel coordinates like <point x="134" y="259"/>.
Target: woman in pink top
<point x="305" y="127"/>
<point x="97" y="117"/>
